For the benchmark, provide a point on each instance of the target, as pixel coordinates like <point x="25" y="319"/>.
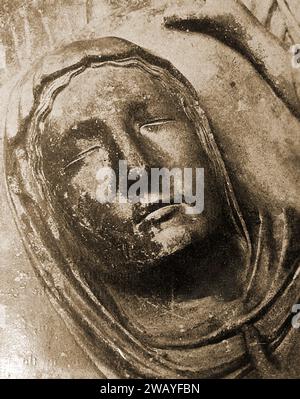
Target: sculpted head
<point x="151" y="289"/>
<point x="162" y="275"/>
<point x="127" y="112"/>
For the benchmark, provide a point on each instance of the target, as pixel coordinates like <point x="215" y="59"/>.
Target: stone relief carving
<point x="145" y="292"/>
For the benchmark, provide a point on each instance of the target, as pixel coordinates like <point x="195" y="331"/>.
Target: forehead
<point x="111" y="91"/>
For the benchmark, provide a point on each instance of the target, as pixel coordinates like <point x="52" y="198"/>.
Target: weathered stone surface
<point x="257" y="147"/>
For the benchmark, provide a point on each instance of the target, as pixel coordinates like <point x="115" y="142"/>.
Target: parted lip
<point x="161" y="212"/>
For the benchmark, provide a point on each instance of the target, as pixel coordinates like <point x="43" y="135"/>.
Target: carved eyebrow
<point x="157" y="122"/>
<point x="81" y="155"/>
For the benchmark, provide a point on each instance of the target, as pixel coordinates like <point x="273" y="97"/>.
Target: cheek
<point x="78" y="197"/>
<point x="106" y="231"/>
<point x="85" y="189"/>
<point x="175" y="141"/>
<point x="82" y="177"/>
<point x="83" y="183"/>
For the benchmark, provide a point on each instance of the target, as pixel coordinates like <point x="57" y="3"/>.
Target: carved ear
<point x="234" y="25"/>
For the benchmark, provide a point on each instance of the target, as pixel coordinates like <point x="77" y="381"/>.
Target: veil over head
<point x="96" y="321"/>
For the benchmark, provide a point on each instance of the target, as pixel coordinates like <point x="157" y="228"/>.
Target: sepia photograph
<point x="150" y="191"/>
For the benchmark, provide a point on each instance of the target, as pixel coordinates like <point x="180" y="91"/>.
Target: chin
<point x="171" y="238"/>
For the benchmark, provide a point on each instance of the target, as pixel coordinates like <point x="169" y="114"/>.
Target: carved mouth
<point x="162" y="214"/>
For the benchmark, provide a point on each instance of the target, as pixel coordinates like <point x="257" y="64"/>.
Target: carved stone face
<point x="109" y="114"/>
<point x="114" y="113"/>
<point x="137" y="280"/>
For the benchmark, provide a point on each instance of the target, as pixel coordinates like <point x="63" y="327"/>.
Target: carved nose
<point x="130" y="148"/>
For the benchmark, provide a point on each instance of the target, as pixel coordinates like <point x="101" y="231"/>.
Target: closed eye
<point x="81" y="155"/>
<point x="157" y="122"/>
